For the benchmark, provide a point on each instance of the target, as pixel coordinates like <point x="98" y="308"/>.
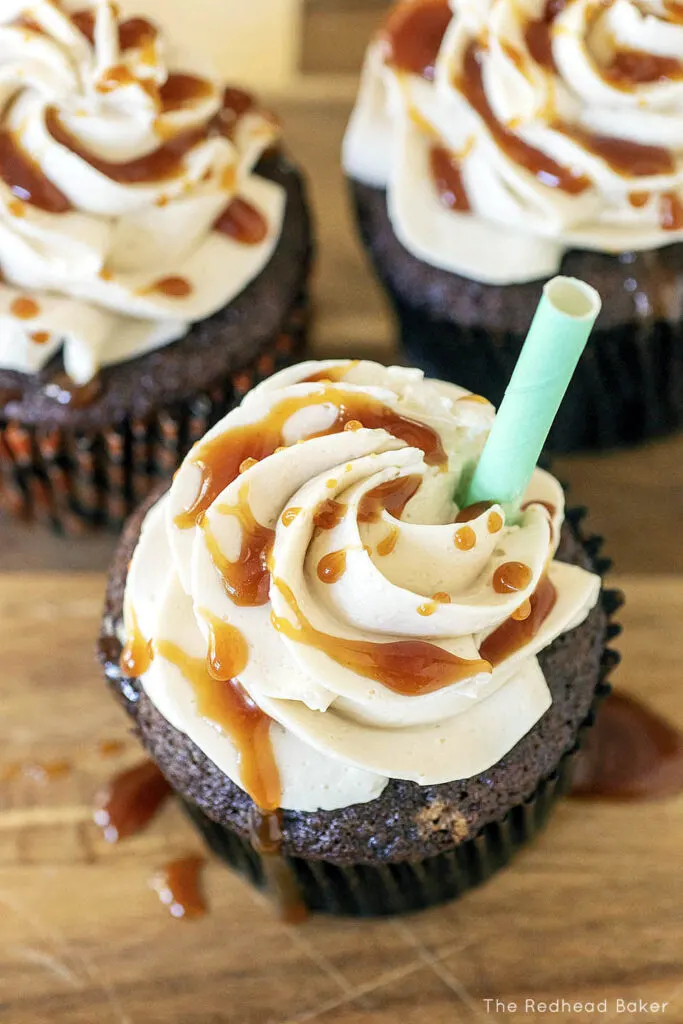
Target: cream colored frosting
<point x="519" y="227"/>
<point x="90" y="270"/>
<point x="338" y="736"/>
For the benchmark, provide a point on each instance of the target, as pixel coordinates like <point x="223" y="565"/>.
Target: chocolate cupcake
<point x="494" y="144"/>
<point x="358" y="689"/>
<point x="155" y="252"/>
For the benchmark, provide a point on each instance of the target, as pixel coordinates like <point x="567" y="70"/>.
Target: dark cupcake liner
<point x="628" y="385"/>
<point x="397" y="888"/>
<point x="77" y="481"/>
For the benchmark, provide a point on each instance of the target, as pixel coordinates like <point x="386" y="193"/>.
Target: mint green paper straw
<point x="556" y="339"/>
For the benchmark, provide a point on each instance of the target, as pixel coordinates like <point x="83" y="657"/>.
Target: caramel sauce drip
<point x="226" y="702"/>
<point x="470" y="512"/>
<point x="289" y="515"/>
<point x="24" y="308"/>
<point x="180" y="90"/>
<point x="631" y="753"/>
<point x="228" y="650"/>
<point x="674" y="10"/>
<point x="328" y="514"/>
<point x="538" y="34"/>
<point x="26" y="181"/>
<point x="246" y="581"/>
<point x="177" y="885"/>
<point x="332" y="567"/>
<point x="172" y="287"/>
<point x="635" y="67"/>
<point x="465" y="538"/>
<point x="414" y="32"/>
<point x="392" y="496"/>
<point x="388" y="543"/>
<point x="511" y="577"/>
<point x="76" y="396"/>
<point x="242" y="222"/>
<point x="547" y="170"/>
<point x="265" y="834"/>
<point x="447" y="177"/>
<point x="515" y="633"/>
<point x="134" y="33"/>
<point x="220" y="458"/>
<point x="130" y="801"/>
<point x="136" y="656"/>
<point x="629" y="159"/>
<point x="161" y="164"/>
<point x="494" y="523"/>
<point x="670" y="212"/>
<point x="409" y="667"/>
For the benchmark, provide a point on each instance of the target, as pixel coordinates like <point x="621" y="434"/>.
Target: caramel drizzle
<point x="547" y="170"/>
<point x="246" y="581"/>
<point x="515" y="633"/>
<point x="137" y="653"/>
<point x="447" y="177"/>
<point x="411" y="668"/>
<point x="177" y="885"/>
<point x="25" y="179"/>
<point x="226" y="702"/>
<point x="392" y="496"/>
<point x="414" y="32"/>
<point x="220" y="458"/>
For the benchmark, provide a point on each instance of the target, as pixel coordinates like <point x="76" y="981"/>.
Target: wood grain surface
<point x="591" y="911"/>
<point x="594" y="910"/>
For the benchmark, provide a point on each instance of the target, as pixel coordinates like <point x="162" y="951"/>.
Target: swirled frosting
<point x="508" y="131"/>
<point x="310" y="606"/>
<point x="129" y="206"/>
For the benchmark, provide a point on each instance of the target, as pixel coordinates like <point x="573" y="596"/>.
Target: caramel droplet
<point x="465" y="538"/>
<point x="24" y="308"/>
<point x="173" y="287"/>
<point x="177" y="885"/>
<point x="523" y="612"/>
<point x="332" y="567"/>
<point x="354" y="425"/>
<point x="426" y="609"/>
<point x="441" y="597"/>
<point x="495" y="523"/>
<point x="247" y="464"/>
<point x="40" y="337"/>
<point x="511" y="577"/>
<point x="289" y="515"/>
<point x="388" y="543"/>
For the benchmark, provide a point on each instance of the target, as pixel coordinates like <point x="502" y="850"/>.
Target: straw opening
<point x="573" y="298"/>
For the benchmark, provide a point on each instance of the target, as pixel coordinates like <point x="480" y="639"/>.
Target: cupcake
<point x="496" y="142"/>
<point x="154" y="246"/>
<point x="364" y="694"/>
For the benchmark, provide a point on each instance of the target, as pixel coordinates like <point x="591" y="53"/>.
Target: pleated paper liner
<point x="628" y="386"/>
<point x="377" y="890"/>
<point x="79" y="481"/>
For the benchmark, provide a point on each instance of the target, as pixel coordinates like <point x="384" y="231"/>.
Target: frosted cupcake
<point x="340" y="670"/>
<point x="495" y="142"/>
<point x="154" y="246"/>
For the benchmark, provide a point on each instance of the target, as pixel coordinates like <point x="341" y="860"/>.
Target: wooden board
<point x="593" y="910"/>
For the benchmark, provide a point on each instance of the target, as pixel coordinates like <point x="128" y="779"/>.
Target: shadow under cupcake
<point x="156" y="250"/>
<point x="489" y="150"/>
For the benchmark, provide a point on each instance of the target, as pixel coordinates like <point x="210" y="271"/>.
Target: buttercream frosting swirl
<point x="533" y="127"/>
<point x="129" y="206"/>
<point x="310" y="548"/>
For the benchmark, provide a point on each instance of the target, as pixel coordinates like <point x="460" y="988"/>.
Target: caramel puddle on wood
<point x="130" y="800"/>
<point x="631" y="753"/>
<point x="177" y="885"/>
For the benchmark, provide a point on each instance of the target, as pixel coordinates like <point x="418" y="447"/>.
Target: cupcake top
<point x="129" y="206"/>
<point x="508" y="131"/>
<point x="312" y="608"/>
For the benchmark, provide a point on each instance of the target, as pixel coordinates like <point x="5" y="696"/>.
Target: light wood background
<point x="594" y="910"/>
